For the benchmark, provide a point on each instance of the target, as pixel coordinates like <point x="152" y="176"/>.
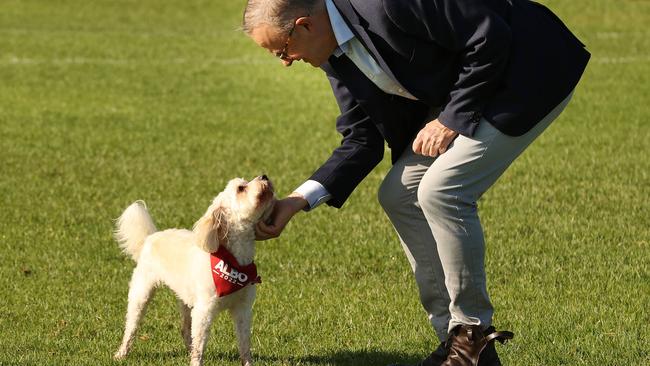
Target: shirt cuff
<point x="314" y="193"/>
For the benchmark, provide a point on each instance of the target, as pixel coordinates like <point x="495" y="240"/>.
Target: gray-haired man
<point x="458" y="89"/>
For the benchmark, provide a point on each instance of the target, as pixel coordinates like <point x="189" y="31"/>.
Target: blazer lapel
<point x="351" y="17"/>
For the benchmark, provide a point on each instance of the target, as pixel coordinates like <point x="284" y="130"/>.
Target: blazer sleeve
<point x="477" y="32"/>
<point x="361" y="149"/>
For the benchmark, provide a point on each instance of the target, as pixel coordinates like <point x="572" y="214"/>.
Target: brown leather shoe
<point x="470" y="346"/>
<point x="489" y="356"/>
<point x="436" y="358"/>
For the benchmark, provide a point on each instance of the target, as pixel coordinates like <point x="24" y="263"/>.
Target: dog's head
<point x="238" y="208"/>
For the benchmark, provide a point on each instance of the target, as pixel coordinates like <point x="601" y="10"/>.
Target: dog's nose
<point x="264" y="177"/>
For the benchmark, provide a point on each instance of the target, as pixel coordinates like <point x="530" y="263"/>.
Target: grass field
<point x="106" y="102"/>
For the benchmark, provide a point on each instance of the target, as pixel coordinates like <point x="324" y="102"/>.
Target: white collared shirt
<point x="348" y="44"/>
<point x="357" y="53"/>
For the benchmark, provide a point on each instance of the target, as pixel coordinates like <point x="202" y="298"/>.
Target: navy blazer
<point x="508" y="61"/>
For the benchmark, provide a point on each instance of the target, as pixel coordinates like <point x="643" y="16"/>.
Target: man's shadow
<point x="361" y="358"/>
<point x="341" y="358"/>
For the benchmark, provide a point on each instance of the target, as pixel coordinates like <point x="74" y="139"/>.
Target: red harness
<point x="228" y="275"/>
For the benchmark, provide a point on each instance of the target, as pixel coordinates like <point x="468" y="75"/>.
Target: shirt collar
<point x="342" y="32"/>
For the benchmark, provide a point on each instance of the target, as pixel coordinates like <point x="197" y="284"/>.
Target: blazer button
<point x="476" y="117"/>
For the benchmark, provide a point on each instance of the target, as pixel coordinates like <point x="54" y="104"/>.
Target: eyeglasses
<point x="283" y="54"/>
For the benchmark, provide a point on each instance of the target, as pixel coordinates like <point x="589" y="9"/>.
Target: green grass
<point x="106" y="102"/>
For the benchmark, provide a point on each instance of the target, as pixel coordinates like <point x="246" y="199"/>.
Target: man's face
<point x="310" y="41"/>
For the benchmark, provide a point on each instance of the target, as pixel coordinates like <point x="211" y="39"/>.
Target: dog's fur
<point x="180" y="259"/>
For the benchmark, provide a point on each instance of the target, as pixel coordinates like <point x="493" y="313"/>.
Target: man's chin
<point x="314" y="63"/>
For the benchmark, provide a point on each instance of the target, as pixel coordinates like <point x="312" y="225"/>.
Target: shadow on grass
<point x="359" y="358"/>
<point x="341" y="358"/>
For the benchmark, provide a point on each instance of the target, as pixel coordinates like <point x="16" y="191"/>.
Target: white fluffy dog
<point x="203" y="266"/>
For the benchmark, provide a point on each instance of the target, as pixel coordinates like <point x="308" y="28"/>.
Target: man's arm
<point x="361" y="149"/>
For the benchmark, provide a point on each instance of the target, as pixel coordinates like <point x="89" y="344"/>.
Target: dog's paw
<point x="119" y="355"/>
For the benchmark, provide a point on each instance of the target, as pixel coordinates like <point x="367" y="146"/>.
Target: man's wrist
<point x="297" y="201"/>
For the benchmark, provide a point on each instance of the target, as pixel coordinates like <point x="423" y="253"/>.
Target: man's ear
<point x="306" y="22"/>
<point x="211" y="229"/>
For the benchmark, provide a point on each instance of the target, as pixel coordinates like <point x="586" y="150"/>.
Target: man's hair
<point x="280" y="14"/>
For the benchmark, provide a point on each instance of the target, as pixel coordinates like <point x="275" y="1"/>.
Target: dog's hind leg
<point x="242" y="317"/>
<point x="186" y="324"/>
<point x="140" y="291"/>
<point x="202" y="314"/>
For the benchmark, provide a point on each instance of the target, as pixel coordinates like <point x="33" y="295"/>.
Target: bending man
<point x="458" y="89"/>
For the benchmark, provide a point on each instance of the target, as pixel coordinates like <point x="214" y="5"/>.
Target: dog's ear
<point x="211" y="229"/>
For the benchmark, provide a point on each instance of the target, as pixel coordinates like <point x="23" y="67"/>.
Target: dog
<point x="209" y="268"/>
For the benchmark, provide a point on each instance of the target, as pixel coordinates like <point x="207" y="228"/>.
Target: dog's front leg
<point x="242" y="317"/>
<point x="202" y="314"/>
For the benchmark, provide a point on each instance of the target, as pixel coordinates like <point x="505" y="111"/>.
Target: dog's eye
<point x="241" y="188"/>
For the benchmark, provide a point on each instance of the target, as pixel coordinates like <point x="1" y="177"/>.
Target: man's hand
<point x="433" y="139"/>
<point x="283" y="211"/>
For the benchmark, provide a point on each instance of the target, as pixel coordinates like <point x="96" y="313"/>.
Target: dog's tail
<point x="133" y="227"/>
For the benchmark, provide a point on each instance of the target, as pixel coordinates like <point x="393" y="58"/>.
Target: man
<point x="458" y="89"/>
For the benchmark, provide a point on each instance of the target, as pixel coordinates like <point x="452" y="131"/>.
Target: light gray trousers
<point x="432" y="205"/>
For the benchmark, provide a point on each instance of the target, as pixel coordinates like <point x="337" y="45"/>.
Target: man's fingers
<point x="263" y="231"/>
<point x="446" y="142"/>
<point x="423" y="144"/>
<point x="282" y="213"/>
<point x="269" y="229"/>
<point x="262" y="227"/>
<point x="427" y="144"/>
<point x="433" y="140"/>
<point x="433" y="148"/>
<point x="417" y="144"/>
<point x="443" y="145"/>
